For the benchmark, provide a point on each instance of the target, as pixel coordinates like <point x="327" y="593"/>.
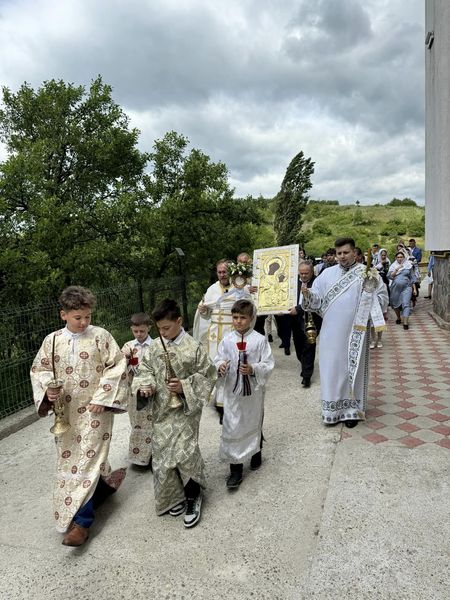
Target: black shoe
<point x="406" y="327"/>
<point x="255" y="462"/>
<point x="398" y="321"/>
<point x="270" y="338"/>
<point x="281" y="346"/>
<point x="235" y="478"/>
<point x="287" y="351"/>
<point x="427" y="297"/>
<point x="306" y="382"/>
<point x="234" y="481"/>
<point x="351" y="423"/>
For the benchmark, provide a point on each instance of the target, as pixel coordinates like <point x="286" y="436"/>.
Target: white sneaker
<point x="379" y="345"/>
<point x="372" y="345"/>
<point x="193" y="511"/>
<point x="178" y="509"/>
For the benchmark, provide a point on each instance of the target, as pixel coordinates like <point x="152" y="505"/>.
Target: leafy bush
<point x="404" y="202"/>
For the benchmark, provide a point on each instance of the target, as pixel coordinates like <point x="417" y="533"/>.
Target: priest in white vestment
<point x="213" y="316"/>
<point x="349" y="297"/>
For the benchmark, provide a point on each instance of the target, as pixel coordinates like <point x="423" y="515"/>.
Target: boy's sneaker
<point x="193" y="511"/>
<point x="178" y="509"/>
<point x="255" y="462"/>
<point x="234" y="480"/>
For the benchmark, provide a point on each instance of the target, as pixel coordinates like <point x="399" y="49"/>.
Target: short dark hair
<point x="358" y="251"/>
<point x="330" y="251"/>
<point x="243" y="307"/>
<point x="138" y="319"/>
<point x="166" y="309"/>
<point x="412" y="240"/>
<point x="344" y="241"/>
<point x="75" y="297"/>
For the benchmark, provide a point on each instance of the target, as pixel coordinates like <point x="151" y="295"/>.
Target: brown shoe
<point x="76" y="536"/>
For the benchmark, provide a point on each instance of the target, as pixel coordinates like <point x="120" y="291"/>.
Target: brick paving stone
<point x="406" y="414"/>
<point x="390" y="420"/>
<point x="442" y="429"/>
<point x="435" y="406"/>
<point x="404" y="404"/>
<point x="423" y="422"/>
<point x="409" y="427"/>
<point x="427" y="435"/>
<point x="445" y="443"/>
<point x="409" y="388"/>
<point x="375" y="425"/>
<point x="411" y="442"/>
<point x="439" y="417"/>
<point x="375" y="438"/>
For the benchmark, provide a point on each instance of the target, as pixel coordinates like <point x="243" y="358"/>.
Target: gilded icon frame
<point x="275" y="274"/>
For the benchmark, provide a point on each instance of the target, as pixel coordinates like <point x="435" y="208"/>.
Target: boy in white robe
<point x="91" y="371"/>
<point x="140" y="443"/>
<point x="243" y="372"/>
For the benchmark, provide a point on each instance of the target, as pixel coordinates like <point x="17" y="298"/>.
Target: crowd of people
<point x="83" y="377"/>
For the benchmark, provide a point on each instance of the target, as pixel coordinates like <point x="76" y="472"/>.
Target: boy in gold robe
<point x="80" y="371"/>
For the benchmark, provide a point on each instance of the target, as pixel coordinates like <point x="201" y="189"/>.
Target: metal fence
<point x="23" y="329"/>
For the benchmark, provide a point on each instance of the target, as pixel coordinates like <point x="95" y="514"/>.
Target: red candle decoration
<point x="246" y="387"/>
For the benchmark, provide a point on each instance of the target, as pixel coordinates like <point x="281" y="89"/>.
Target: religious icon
<point x="275" y="274"/>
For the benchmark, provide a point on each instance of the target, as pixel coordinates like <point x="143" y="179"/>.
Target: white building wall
<point x="437" y="156"/>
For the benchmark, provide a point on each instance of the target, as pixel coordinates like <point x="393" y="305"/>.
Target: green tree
<point x="191" y="206"/>
<point x="72" y="179"/>
<point x="292" y="199"/>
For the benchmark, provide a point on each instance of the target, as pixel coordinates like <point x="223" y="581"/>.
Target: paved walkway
<point x="332" y="514"/>
<point x="409" y="385"/>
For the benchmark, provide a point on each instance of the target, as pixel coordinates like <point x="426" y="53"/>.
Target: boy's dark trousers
<point x="86" y="513"/>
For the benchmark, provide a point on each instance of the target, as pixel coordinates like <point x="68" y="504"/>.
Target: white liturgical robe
<point x="243" y="415"/>
<point x="344" y="349"/>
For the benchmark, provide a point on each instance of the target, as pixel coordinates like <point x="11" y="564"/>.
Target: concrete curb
<point x="17" y="421"/>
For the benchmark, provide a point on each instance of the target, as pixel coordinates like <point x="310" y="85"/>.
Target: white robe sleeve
<point x="265" y="366"/>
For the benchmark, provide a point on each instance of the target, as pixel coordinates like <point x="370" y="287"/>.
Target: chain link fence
<point x="23" y="329"/>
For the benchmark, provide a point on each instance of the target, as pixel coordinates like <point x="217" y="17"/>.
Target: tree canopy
<point x="80" y="203"/>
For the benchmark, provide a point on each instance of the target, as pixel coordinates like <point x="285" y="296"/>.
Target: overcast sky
<point x="249" y="82"/>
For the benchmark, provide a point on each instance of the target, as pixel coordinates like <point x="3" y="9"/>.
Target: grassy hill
<point x="385" y="225"/>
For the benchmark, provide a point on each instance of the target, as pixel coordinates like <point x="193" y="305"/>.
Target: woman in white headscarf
<point x="402" y="287"/>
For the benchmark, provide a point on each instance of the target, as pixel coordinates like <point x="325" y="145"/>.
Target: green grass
<point x="381" y="224"/>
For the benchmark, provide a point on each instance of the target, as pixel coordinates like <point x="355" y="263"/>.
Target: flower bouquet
<point x="242" y="386"/>
<point x="240" y="273"/>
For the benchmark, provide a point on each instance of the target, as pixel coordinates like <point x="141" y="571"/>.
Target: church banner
<point x="275" y="273"/>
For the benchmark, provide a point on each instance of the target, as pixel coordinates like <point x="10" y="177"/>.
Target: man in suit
<point x="305" y="352"/>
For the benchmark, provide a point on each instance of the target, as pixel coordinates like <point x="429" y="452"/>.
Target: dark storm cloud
<point x="250" y="83"/>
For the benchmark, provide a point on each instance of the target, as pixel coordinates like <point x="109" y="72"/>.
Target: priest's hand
<point x="293" y="311"/>
<point x="246" y="370"/>
<point x="305" y="290"/>
<point x="223" y="368"/>
<point x="252" y="289"/>
<point x="175" y="385"/>
<point x="95" y="408"/>
<point x="202" y="309"/>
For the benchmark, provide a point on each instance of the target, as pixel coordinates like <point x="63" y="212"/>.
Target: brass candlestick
<point x="174" y="399"/>
<point x="61" y="425"/>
